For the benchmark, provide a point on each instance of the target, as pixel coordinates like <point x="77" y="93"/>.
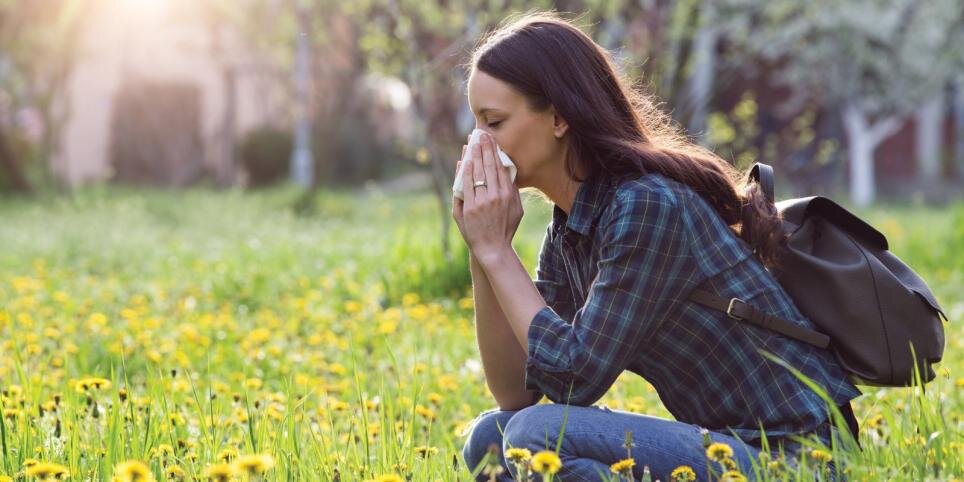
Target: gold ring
<point x="478" y="183"/>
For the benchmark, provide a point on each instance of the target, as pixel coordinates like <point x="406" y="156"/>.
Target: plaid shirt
<point x="615" y="274"/>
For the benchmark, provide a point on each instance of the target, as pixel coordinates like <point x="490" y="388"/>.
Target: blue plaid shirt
<point x="615" y="274"/>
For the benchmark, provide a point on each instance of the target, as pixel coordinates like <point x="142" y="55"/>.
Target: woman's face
<point x="530" y="138"/>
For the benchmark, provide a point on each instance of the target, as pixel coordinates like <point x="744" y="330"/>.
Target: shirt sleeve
<point x="644" y="269"/>
<point x="552" y="280"/>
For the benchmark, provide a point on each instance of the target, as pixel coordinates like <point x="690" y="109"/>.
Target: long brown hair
<point x="615" y="128"/>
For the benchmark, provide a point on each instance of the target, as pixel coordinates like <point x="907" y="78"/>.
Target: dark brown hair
<point x="615" y="128"/>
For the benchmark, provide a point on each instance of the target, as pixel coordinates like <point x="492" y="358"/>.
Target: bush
<point x="265" y="152"/>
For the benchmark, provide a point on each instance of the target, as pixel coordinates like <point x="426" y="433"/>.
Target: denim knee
<point x="531" y="427"/>
<point x="483" y="432"/>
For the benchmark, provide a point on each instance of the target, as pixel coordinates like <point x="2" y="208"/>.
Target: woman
<point x="641" y="217"/>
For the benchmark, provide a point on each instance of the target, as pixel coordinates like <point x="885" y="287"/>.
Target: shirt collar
<point x="586" y="206"/>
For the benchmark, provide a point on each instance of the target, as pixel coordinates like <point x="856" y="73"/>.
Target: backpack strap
<point x="742" y="311"/>
<point x="763" y="174"/>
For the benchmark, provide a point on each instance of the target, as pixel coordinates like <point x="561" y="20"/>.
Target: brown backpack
<point x="868" y="306"/>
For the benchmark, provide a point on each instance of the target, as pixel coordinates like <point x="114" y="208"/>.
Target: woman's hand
<point x="489" y="215"/>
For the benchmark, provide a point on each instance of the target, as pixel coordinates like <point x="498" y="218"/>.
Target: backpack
<point x="870" y="309"/>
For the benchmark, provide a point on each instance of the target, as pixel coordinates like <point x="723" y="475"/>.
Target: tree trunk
<point x="862" y="141"/>
<point x="959" y="126"/>
<point x="11" y="167"/>
<point x="701" y="83"/>
<point x="228" y="169"/>
<point x="301" y="158"/>
<point x="928" y="142"/>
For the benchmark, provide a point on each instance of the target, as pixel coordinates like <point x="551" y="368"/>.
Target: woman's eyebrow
<point x="483" y="110"/>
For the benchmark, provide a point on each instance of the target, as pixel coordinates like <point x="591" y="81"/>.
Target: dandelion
<point x="388" y="478"/>
<point x="732" y="476"/>
<point x="133" y="471"/>
<point x="163" y="451"/>
<point x="425" y="451"/>
<point x="425" y="412"/>
<point x="719" y="451"/>
<point x="228" y="454"/>
<point x="516" y="454"/>
<point x="623" y="467"/>
<point x="546" y="462"/>
<point x="219" y="472"/>
<point x="46" y="471"/>
<point x="175" y="472"/>
<point x="683" y="473"/>
<point x="821" y="456"/>
<point x="6" y="478"/>
<point x="85" y="385"/>
<point x="519" y="458"/>
<point x="254" y="464"/>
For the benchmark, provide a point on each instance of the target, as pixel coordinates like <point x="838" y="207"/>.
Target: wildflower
<point x="623" y="467"/>
<point x="6" y="478"/>
<point x="388" y="478"/>
<point x="254" y="464"/>
<point x="45" y="471"/>
<point x="516" y="454"/>
<point x="91" y="384"/>
<point x="546" y="462"/>
<point x="821" y="456"/>
<point x="219" y="472"/>
<point x="683" y="473"/>
<point x="228" y="454"/>
<point x="133" y="471"/>
<point x="719" y="451"/>
<point x="426" y="451"/>
<point x="425" y="412"/>
<point x="175" y="472"/>
<point x="732" y="476"/>
<point x="163" y="450"/>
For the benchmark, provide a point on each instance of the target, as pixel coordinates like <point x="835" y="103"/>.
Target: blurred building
<point x="189" y="86"/>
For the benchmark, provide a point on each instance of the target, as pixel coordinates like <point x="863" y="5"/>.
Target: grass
<point x="330" y="334"/>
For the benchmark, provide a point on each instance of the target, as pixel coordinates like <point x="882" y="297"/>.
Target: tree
<point x="874" y="61"/>
<point x="38" y="42"/>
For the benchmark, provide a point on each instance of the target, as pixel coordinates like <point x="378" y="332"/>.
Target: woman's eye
<point x="493" y="124"/>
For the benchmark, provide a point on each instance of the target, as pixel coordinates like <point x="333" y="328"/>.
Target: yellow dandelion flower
<point x="516" y="454"/>
<point x="732" y="476"/>
<point x="425" y="412"/>
<point x="163" y="450"/>
<point x="253" y="464"/>
<point x="719" y="451"/>
<point x="624" y="466"/>
<point x="133" y="471"/>
<point x="821" y="456"/>
<point x="228" y="454"/>
<point x="683" y="473"/>
<point x="388" y="478"/>
<point x="91" y="384"/>
<point x="425" y="451"/>
<point x="6" y="478"/>
<point x="219" y="472"/>
<point x="47" y="471"/>
<point x="175" y="472"/>
<point x="546" y="462"/>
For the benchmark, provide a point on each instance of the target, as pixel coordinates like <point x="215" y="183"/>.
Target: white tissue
<point x="473" y="140"/>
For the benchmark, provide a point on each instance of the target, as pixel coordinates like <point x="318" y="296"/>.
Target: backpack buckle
<point x="729" y="308"/>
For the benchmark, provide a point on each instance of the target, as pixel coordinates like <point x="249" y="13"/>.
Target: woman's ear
<point x="559" y="125"/>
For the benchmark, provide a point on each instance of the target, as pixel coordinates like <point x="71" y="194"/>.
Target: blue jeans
<point x="594" y="439"/>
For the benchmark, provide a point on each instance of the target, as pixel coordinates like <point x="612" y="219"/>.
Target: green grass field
<point x="191" y="331"/>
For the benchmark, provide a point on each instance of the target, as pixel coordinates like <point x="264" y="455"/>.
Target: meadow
<point x="202" y="335"/>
